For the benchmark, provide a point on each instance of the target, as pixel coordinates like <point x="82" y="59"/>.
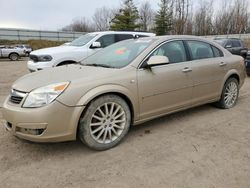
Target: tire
<point x="105" y="123"/>
<point x="14" y="57"/>
<point x="229" y="94"/>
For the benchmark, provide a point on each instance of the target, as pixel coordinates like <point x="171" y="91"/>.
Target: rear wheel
<point x="105" y="122"/>
<point x="14" y="57"/>
<point x="229" y="94"/>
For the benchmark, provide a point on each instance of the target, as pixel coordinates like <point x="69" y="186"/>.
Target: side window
<point x="106" y="40"/>
<point x="120" y="37"/>
<point x="140" y="36"/>
<point x="175" y="51"/>
<point x="217" y="52"/>
<point x="229" y="44"/>
<point x="236" y="43"/>
<point x="200" y="50"/>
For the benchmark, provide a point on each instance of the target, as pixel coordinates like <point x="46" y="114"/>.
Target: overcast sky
<point x="52" y="14"/>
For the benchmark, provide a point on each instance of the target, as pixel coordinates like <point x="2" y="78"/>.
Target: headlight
<point x="44" y="58"/>
<point x="44" y="95"/>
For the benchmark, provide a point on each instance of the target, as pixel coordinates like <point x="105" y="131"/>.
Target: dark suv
<point x="234" y="45"/>
<point x="248" y="63"/>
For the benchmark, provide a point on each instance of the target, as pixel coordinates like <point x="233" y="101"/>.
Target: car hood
<point x="71" y="73"/>
<point x="54" y="50"/>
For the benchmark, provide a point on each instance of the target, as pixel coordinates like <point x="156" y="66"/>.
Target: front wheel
<point x="105" y="122"/>
<point x="229" y="94"/>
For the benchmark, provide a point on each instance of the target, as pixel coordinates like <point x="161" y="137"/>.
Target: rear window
<point x="120" y="37"/>
<point x="236" y="43"/>
<point x="200" y="50"/>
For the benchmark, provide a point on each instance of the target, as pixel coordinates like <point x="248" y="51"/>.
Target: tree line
<point x="172" y="17"/>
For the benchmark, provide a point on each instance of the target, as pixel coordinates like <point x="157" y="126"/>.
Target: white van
<point x="78" y="49"/>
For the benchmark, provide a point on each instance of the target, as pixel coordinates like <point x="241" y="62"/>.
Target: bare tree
<point x="79" y="25"/>
<point x="239" y="19"/>
<point x="147" y="16"/>
<point x="181" y="14"/>
<point x="223" y="18"/>
<point x="102" y="18"/>
<point x="233" y="18"/>
<point x="203" y="18"/>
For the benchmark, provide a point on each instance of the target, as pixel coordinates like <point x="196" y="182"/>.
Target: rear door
<point x="208" y="70"/>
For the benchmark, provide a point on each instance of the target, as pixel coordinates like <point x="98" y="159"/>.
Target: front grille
<point x="16" y="100"/>
<point x="34" y="58"/>
<point x="16" y="97"/>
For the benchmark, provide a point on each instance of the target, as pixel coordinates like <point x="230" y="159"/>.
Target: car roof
<point x="181" y="37"/>
<point x="227" y="38"/>
<point x="123" y="32"/>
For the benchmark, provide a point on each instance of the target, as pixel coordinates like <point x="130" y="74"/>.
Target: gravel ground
<point x="200" y="147"/>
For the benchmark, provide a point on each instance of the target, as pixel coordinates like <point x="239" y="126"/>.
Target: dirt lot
<point x="201" y="147"/>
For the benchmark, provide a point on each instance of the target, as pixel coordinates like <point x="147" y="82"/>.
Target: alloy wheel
<point x="107" y="122"/>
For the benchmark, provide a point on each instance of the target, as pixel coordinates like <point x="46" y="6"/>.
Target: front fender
<point x="105" y="89"/>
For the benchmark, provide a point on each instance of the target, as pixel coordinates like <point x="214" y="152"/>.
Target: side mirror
<point x="96" y="45"/>
<point x="157" y="60"/>
<point x="228" y="46"/>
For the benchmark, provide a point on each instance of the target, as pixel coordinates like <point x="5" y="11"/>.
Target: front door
<point x="105" y="41"/>
<point x="165" y="88"/>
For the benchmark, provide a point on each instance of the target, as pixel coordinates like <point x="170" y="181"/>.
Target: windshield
<point x="82" y="40"/>
<point x="118" y="55"/>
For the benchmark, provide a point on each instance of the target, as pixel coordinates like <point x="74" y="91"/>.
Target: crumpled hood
<point x="72" y="73"/>
<point x="54" y="50"/>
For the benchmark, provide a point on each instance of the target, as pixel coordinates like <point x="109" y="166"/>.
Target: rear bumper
<point x="52" y="123"/>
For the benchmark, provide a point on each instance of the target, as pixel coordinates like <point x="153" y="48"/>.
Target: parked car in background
<point x="248" y="62"/>
<point x="11" y="52"/>
<point x="234" y="45"/>
<point x="27" y="49"/>
<point x="127" y="83"/>
<point x="78" y="49"/>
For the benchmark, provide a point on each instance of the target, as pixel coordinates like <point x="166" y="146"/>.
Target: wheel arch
<point x="13" y="53"/>
<point x="118" y="90"/>
<point x="98" y="92"/>
<point x="66" y="62"/>
<point x="230" y="74"/>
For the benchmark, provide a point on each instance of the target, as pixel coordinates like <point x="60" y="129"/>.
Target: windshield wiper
<point x="99" y="65"/>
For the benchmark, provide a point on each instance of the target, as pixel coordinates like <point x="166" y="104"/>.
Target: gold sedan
<point x="125" y="84"/>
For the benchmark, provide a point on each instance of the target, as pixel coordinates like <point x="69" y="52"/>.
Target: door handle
<point x="223" y="64"/>
<point x="186" y="69"/>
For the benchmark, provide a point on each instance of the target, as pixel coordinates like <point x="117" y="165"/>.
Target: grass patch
<point x="35" y="44"/>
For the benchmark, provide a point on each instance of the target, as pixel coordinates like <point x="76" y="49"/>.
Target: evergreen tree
<point x="127" y="18"/>
<point x="164" y="18"/>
